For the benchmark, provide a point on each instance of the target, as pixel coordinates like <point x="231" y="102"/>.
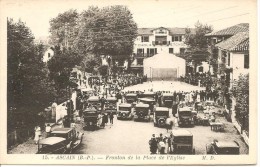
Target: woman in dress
<point x="37" y="131"/>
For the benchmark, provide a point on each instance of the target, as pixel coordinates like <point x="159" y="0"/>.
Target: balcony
<point x="161" y="43"/>
<point x="142" y="55"/>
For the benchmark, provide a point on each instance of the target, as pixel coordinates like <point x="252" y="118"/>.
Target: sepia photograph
<point x="128" y="82"/>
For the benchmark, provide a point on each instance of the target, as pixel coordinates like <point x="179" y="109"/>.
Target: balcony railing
<point x="142" y="55"/>
<point x="161" y="42"/>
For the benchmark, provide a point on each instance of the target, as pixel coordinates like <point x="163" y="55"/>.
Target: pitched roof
<point x="242" y="27"/>
<point x="238" y="42"/>
<point x="173" y="31"/>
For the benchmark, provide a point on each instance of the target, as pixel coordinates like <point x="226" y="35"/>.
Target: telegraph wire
<point x="228" y="17"/>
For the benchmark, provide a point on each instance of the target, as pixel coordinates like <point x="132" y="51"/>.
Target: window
<point x="200" y="69"/>
<point x="176" y="38"/>
<point x="228" y="59"/>
<point x="170" y="50"/>
<point x="49" y="55"/>
<point x="145" y="38"/>
<point x="139" y="61"/>
<point x="246" y="61"/>
<point x="182" y="50"/>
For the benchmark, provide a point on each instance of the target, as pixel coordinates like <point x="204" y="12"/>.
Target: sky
<point x="146" y="13"/>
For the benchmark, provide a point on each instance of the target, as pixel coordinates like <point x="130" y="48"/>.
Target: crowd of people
<point x="199" y="79"/>
<point x="161" y="144"/>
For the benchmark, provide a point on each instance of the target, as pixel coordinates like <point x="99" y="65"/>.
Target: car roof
<point x="167" y="94"/>
<point x="86" y="89"/>
<point x="181" y="132"/>
<point x="149" y="93"/>
<point x="111" y="98"/>
<point x="142" y="105"/>
<point x="162" y="109"/>
<point x="225" y="144"/>
<point x="94" y="98"/>
<point x="51" y="140"/>
<point x="184" y="109"/>
<point x="125" y="105"/>
<point x="146" y="99"/>
<point x="131" y="94"/>
<point x="90" y="110"/>
<point x="61" y="130"/>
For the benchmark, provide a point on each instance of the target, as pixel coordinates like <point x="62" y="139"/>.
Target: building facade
<point x="151" y="41"/>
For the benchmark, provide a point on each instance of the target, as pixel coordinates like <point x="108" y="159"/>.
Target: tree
<point x="107" y="31"/>
<point x="60" y="67"/>
<point x="63" y="29"/>
<point x="29" y="90"/>
<point x="241" y="93"/>
<point x="198" y="43"/>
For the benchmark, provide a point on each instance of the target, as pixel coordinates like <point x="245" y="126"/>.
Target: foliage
<point x="60" y="67"/>
<point x="29" y="89"/>
<point x="241" y="93"/>
<point x="95" y="32"/>
<point x="63" y="28"/>
<point x="106" y="31"/>
<point x="198" y="43"/>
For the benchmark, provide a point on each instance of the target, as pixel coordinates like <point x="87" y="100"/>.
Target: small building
<point x="164" y="66"/>
<point x="48" y="54"/>
<point x="234" y="52"/>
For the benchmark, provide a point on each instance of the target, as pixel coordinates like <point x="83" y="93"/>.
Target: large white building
<point x="151" y="41"/>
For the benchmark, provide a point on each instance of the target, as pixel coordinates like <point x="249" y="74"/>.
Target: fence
<point x="19" y="136"/>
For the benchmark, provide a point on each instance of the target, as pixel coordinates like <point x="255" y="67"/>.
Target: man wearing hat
<point x="153" y="144"/>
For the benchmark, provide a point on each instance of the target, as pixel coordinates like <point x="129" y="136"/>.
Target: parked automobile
<point x="52" y="145"/>
<point x="223" y="147"/>
<point x="90" y="118"/>
<point x="182" y="142"/>
<point x="150" y="102"/>
<point x="167" y="100"/>
<point x="110" y="106"/>
<point x="160" y="116"/>
<point x="148" y="95"/>
<point x="73" y="138"/>
<point x="125" y="111"/>
<point x="185" y="116"/>
<point x="131" y="98"/>
<point x="61" y="141"/>
<point x="142" y="112"/>
<point x="95" y="102"/>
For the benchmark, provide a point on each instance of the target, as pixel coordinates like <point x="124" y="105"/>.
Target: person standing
<point x="53" y="110"/>
<point x="153" y="144"/>
<point x="37" y="134"/>
<point x="111" y="117"/>
<point x="48" y="130"/>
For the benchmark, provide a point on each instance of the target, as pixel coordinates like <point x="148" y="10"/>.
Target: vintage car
<point x="52" y="145"/>
<point x="61" y="140"/>
<point x="167" y="100"/>
<point x="148" y="95"/>
<point x="185" y="116"/>
<point x="142" y="112"/>
<point x="182" y="142"/>
<point x="131" y="98"/>
<point x="125" y="111"/>
<point x="87" y="91"/>
<point x="110" y="106"/>
<point x="223" y="147"/>
<point x="160" y="116"/>
<point x="73" y="137"/>
<point x="95" y="102"/>
<point x="150" y="102"/>
<point x="90" y="118"/>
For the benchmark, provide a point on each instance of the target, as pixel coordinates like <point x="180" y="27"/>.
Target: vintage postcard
<point x="152" y="82"/>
